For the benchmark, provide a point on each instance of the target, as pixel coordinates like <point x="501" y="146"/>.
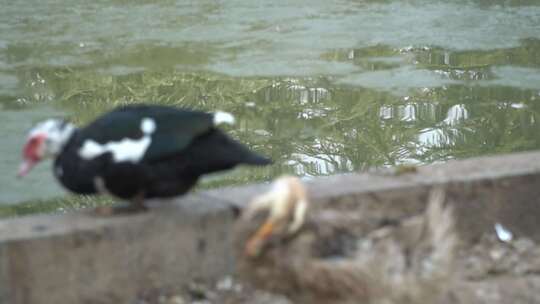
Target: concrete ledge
<point x="485" y="190"/>
<point x="81" y="258"/>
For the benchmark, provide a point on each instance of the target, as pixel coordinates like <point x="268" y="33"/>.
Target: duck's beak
<point x="25" y="167"/>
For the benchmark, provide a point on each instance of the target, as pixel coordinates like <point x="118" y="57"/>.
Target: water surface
<point x="322" y="87"/>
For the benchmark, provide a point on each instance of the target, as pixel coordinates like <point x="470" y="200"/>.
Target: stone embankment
<point x="159" y="255"/>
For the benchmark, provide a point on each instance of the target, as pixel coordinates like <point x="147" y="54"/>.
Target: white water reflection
<point x="315" y="165"/>
<point x="409" y="112"/>
<point x="456" y="114"/>
<point x="386" y="112"/>
<point x="434" y="137"/>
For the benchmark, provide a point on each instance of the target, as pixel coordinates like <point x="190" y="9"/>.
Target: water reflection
<point x="326" y="88"/>
<point x="359" y="128"/>
<point x="313" y="126"/>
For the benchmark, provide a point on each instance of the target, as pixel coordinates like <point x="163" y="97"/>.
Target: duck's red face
<point x="32" y="153"/>
<point x="45" y="139"/>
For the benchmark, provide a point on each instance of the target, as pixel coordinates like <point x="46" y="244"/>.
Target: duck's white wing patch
<point x="126" y="150"/>
<point x="91" y="149"/>
<point x="223" y="117"/>
<point x="148" y="125"/>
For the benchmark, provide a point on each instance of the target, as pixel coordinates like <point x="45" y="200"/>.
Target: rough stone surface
<point x="82" y="258"/>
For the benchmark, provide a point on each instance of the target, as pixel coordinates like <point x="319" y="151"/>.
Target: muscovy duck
<point x="314" y="257"/>
<point x="137" y="152"/>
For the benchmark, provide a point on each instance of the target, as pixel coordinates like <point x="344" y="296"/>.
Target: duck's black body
<point x="183" y="145"/>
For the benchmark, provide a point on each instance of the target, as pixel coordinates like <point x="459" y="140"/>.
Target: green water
<point x="322" y="87"/>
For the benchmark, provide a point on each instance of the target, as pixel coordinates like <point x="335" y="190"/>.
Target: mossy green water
<point x="323" y="88"/>
<point x="311" y="126"/>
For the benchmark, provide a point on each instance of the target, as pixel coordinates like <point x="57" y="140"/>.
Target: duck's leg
<point x="263" y="202"/>
<point x="254" y="244"/>
<point x="134" y="206"/>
